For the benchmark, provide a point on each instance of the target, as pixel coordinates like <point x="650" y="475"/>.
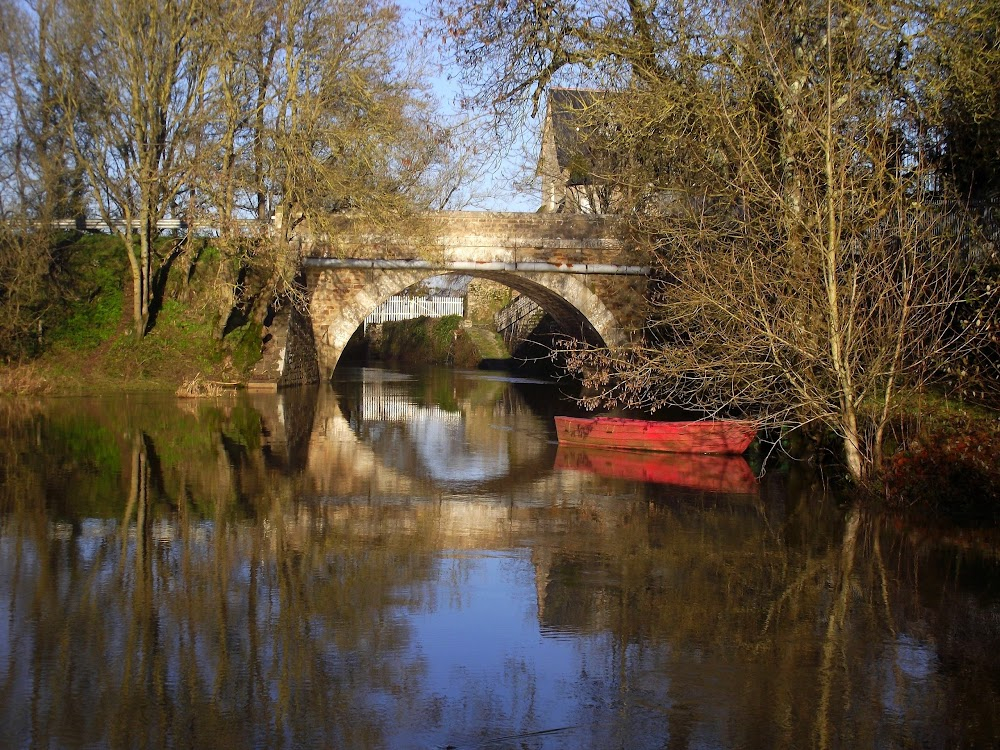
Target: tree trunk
<point x="135" y="269"/>
<point x="836" y="625"/>
<point x="853" y="454"/>
<point x="145" y="275"/>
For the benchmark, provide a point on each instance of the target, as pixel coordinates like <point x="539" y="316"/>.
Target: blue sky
<point x="499" y="180"/>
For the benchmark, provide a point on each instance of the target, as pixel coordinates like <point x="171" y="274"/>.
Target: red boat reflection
<point x="728" y="436"/>
<point x="712" y="473"/>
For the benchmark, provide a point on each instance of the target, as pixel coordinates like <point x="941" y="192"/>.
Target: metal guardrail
<point x="99" y="225"/>
<point x="602" y="269"/>
<point x="521" y="313"/>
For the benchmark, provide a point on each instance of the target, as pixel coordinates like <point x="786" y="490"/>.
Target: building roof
<point x="571" y="123"/>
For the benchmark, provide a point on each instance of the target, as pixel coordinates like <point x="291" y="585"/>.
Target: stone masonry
<point x="572" y="265"/>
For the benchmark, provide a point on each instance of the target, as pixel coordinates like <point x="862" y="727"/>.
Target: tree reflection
<point x="177" y="628"/>
<point x="229" y="574"/>
<point x="760" y="633"/>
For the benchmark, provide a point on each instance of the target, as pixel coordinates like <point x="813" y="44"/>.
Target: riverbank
<point x="180" y="349"/>
<point x="82" y="338"/>
<point x="449" y="340"/>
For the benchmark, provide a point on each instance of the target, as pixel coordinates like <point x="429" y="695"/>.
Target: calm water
<point x="412" y="562"/>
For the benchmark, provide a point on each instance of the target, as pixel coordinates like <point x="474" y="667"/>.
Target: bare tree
<point x="350" y="128"/>
<point x="134" y="84"/>
<point x="320" y="109"/>
<point x="278" y="112"/>
<point x="780" y="175"/>
<point x="37" y="177"/>
<point x="43" y="180"/>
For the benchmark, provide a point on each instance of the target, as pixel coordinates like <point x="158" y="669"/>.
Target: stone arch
<point x="342" y="298"/>
<point x="574" y="306"/>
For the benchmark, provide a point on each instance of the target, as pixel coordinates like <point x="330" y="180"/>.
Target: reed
<point x="23" y="380"/>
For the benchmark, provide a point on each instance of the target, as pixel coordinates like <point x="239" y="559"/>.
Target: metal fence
<point x="407" y="308"/>
<point x="517" y="319"/>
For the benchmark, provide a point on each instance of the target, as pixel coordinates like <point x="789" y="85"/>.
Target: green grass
<point x="438" y="341"/>
<point x="88" y="274"/>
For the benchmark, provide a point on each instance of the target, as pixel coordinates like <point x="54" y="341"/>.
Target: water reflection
<point x="461" y="433"/>
<point x="404" y="561"/>
<point x="725" y="474"/>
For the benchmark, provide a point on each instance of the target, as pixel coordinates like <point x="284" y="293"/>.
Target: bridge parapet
<point x="478" y="237"/>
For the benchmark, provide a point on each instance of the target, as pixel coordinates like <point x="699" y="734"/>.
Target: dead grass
<point x="24" y="380"/>
<point x="198" y="387"/>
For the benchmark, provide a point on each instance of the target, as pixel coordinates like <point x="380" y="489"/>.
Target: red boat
<point x="730" y="436"/>
<point x="729" y="474"/>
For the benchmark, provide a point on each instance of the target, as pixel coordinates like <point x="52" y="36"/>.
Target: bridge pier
<point x="288" y="352"/>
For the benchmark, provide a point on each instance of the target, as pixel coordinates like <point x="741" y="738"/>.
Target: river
<point x="411" y="561"/>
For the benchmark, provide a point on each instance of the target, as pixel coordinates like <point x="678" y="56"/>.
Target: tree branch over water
<point x="779" y="164"/>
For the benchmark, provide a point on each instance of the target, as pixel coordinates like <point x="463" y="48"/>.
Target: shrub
<point x="950" y="469"/>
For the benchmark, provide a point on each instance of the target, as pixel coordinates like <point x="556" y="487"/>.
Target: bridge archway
<point x="574" y="266"/>
<point x="341" y="299"/>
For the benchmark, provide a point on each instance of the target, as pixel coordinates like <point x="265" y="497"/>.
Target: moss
<point x="486" y="298"/>
<point x="245" y="343"/>
<point x="443" y="332"/>
<point x="88" y="273"/>
<point x="466" y="353"/>
<point x="436" y="341"/>
<point x="478" y="343"/>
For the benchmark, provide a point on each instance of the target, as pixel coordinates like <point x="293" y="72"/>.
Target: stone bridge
<point x="572" y="265"/>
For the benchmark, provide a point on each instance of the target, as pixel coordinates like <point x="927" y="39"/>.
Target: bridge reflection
<point x="377" y="432"/>
<point x="474" y="434"/>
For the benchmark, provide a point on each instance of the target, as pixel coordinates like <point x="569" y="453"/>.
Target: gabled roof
<point x="571" y="123"/>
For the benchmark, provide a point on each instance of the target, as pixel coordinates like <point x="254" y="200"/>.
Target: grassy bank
<point x="435" y="341"/>
<point x="85" y="340"/>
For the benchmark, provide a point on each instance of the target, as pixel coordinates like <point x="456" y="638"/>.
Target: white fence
<point x="385" y="404"/>
<point x="407" y="308"/>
